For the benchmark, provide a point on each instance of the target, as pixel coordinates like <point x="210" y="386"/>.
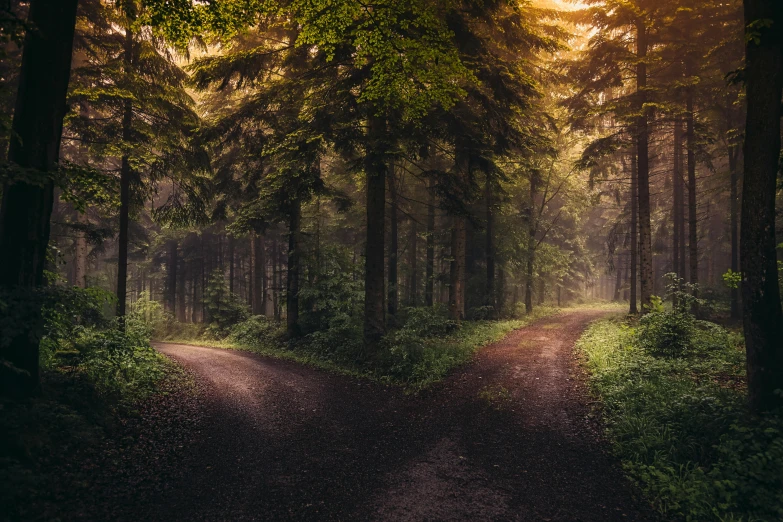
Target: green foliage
<point x="334" y="296"/>
<point x="223" y="308"/>
<point x="428" y="322"/>
<point x="681" y="425"/>
<point x="429" y="345"/>
<point x="94" y="372"/>
<point x="257" y="331"/>
<point x="67" y="312"/>
<point x="120" y="364"/>
<point x="732" y="279"/>
<point x="421" y="352"/>
<point x="148" y="315"/>
<point x="676" y="332"/>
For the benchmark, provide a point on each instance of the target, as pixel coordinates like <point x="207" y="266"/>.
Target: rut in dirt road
<point x="503" y="438"/>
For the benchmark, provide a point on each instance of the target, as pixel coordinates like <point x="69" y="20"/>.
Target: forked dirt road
<point x="505" y="437"/>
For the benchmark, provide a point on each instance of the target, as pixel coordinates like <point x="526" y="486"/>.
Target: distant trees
<point x="676" y="101"/>
<point x="134" y="112"/>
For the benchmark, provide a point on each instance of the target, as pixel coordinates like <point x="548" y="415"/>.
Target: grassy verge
<point x="414" y="357"/>
<point x="680" y="424"/>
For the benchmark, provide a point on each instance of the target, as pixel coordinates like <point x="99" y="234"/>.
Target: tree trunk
<point x="618" y="280"/>
<point x="458" y="248"/>
<point x="531" y="243"/>
<point x="413" y="281"/>
<point x="634" y="275"/>
<point x="248" y="296"/>
<point x="391" y="290"/>
<point x="292" y="281"/>
<point x="676" y="199"/>
<point x="762" y="316"/>
<point x="80" y="254"/>
<point x="429" y="288"/>
<point x="231" y="264"/>
<point x="643" y="171"/>
<point x="171" y="277"/>
<point x="194" y="289"/>
<point x="693" y="248"/>
<point x="734" y="225"/>
<point x="490" y="247"/>
<point x="275" y="279"/>
<point x="259" y="276"/>
<point x="181" y="291"/>
<point x="27" y="208"/>
<point x="375" y="169"/>
<point x="125" y="181"/>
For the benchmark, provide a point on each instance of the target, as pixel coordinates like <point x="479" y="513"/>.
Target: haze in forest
<point x="391" y="195"/>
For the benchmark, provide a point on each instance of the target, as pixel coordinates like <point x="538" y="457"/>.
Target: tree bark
<point x="531" y="242"/>
<point x="181" y="291"/>
<point x="734" y="225"/>
<point x="490" y="246"/>
<point x="80" y="254"/>
<point x="259" y="275"/>
<point x="676" y="198"/>
<point x="634" y="268"/>
<point x="429" y="288"/>
<point x="643" y="170"/>
<point x="458" y="250"/>
<point x="292" y="281"/>
<point x="413" y="281"/>
<point x="693" y="247"/>
<point x="171" y="277"/>
<point x="125" y="180"/>
<point x="27" y="207"/>
<point x="762" y="316"/>
<point x="275" y="279"/>
<point x="375" y="169"/>
<point x="391" y="290"/>
<point x="231" y="264"/>
<point x="194" y="289"/>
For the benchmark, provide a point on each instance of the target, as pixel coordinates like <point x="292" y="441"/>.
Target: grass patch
<point x="680" y="423"/>
<point x="420" y="353"/>
<point x="495" y="396"/>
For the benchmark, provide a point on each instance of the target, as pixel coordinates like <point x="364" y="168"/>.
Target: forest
<point x="391" y="260"/>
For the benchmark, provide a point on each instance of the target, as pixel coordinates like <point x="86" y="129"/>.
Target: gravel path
<point x="506" y="437"/>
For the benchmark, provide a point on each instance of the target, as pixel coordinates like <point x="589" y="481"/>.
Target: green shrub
<point x="257" y="331"/>
<point x="682" y="427"/>
<point x="481" y="313"/>
<point x="224" y="309"/>
<point x="342" y="339"/>
<point x="676" y="332"/>
<point x="334" y="299"/>
<point x="666" y="333"/>
<point x="121" y="364"/>
<point x="427" y="322"/>
<point x="66" y="312"/>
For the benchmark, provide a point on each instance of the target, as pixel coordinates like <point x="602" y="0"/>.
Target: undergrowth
<point x="674" y="402"/>
<point x="420" y="352"/>
<point x="93" y="375"/>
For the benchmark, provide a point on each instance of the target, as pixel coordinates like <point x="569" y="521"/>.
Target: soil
<point x="510" y="436"/>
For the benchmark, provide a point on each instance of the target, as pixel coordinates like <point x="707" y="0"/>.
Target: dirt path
<point x="504" y="438"/>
